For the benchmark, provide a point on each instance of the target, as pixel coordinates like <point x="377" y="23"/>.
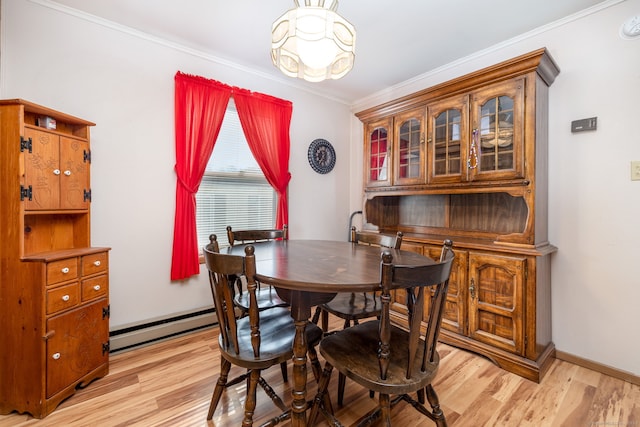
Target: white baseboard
<point x="158" y="329"/>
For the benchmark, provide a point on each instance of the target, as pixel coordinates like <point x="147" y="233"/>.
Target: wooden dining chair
<point x="353" y="307"/>
<point x="389" y="359"/>
<point x="266" y="295"/>
<point x="255" y="342"/>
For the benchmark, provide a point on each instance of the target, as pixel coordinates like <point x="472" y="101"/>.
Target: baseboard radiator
<point x="150" y="331"/>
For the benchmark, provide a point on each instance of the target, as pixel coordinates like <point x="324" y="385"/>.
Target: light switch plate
<point x="635" y="170"/>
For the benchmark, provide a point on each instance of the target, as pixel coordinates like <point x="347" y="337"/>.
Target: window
<point x="233" y="190"/>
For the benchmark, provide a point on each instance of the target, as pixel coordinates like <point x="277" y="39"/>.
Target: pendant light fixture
<point x="313" y="42"/>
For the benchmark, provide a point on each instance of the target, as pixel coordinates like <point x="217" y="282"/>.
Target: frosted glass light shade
<point x="313" y="42"/>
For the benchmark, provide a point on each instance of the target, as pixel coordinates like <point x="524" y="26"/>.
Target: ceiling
<point x="396" y="40"/>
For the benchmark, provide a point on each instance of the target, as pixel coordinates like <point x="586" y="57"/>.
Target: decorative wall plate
<point x="322" y="156"/>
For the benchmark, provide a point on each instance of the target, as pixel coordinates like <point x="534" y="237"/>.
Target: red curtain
<point x="265" y="121"/>
<point x="200" y="105"/>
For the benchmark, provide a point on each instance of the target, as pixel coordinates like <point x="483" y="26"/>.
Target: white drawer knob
<point x="56" y="356"/>
<point x="96" y="288"/>
<point x="56" y="171"/>
<point x="67" y="173"/>
<point x="96" y="263"/>
<point x="65" y="270"/>
<point x="65" y="298"/>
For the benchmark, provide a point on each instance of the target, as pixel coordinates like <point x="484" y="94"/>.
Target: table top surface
<point x="323" y="265"/>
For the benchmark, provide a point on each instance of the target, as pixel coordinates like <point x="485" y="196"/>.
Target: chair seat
<point x="354" y="306"/>
<point x="353" y="352"/>
<point x="277" y="330"/>
<point x="266" y="296"/>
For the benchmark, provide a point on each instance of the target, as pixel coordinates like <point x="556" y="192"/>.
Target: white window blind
<point x="233" y="190"/>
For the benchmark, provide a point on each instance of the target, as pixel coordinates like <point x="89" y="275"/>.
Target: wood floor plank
<point x="575" y="407"/>
<point x="170" y="384"/>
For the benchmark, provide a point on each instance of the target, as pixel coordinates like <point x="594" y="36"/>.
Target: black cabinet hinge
<point x="87" y="156"/>
<point x="106" y="346"/>
<point x="106" y="311"/>
<point x="26" y="144"/>
<point x="87" y="195"/>
<point x="25" y="193"/>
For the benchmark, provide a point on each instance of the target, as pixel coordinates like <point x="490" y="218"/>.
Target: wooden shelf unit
<point x="54" y="300"/>
<point x="482" y="182"/>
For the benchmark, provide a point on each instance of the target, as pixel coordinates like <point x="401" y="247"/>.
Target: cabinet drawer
<point x="94" y="287"/>
<point x="61" y="271"/>
<point x="94" y="263"/>
<point x="63" y="297"/>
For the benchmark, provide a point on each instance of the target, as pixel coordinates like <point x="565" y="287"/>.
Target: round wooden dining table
<point x="306" y="273"/>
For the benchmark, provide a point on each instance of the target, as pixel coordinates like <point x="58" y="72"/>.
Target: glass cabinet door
<point x="448" y="136"/>
<point x="409" y="148"/>
<point x="496" y="147"/>
<point x="377" y="151"/>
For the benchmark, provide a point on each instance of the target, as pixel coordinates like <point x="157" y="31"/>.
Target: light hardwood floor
<point x="170" y="384"/>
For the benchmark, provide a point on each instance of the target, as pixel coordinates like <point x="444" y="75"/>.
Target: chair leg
<point x="341" y="383"/>
<point x="325" y="321"/>
<point x="225" y="367"/>
<point x="438" y="415"/>
<point x="316" y="315"/>
<point x="347" y="323"/>
<point x="272" y="394"/>
<point x="250" y="403"/>
<point x="421" y="396"/>
<point x="283" y="369"/>
<point x="316" y="368"/>
<point x="320" y="399"/>
<point x="385" y="409"/>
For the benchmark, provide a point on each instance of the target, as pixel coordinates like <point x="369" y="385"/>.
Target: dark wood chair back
<point x="224" y="271"/>
<point x="253" y="236"/>
<point x="266" y="295"/>
<point x="255" y="341"/>
<point x="376" y="239"/>
<point x="352" y="307"/>
<point x="417" y="282"/>
<point x="388" y="358"/>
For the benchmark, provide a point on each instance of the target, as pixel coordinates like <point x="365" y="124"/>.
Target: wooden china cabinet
<point x="467" y="160"/>
<point x="54" y="300"/>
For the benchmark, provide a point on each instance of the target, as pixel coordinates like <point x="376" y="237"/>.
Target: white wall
<point x="594" y="207"/>
<point x="125" y="84"/>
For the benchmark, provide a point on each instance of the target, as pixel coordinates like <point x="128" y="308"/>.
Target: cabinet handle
<point x="472" y="161"/>
<point x="65" y="298"/>
<point x="67" y="173"/>
<point x="56" y="171"/>
<point x="472" y="289"/>
<point x="56" y="356"/>
<point x="65" y="270"/>
<point x="96" y="263"/>
<point x="96" y="288"/>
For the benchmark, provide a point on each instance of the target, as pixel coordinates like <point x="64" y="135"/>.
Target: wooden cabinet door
<point x="76" y="345"/>
<point x="455" y="310"/>
<point x="496" y="300"/>
<point x="377" y="153"/>
<point x="74" y="177"/>
<point x="496" y="148"/>
<point x="448" y="136"/>
<point x="409" y="148"/>
<point x="57" y="169"/>
<point x="42" y="170"/>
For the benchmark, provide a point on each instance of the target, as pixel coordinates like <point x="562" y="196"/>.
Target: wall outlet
<point x="635" y="170"/>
